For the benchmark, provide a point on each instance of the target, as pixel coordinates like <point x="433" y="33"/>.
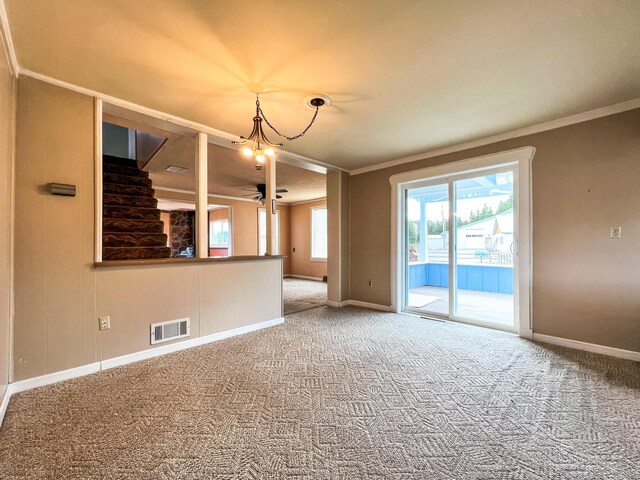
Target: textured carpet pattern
<point x="300" y="295"/>
<point x="332" y="394"/>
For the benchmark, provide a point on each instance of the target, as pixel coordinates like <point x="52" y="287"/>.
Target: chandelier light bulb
<point x="247" y="152"/>
<point x="260" y="158"/>
<point x="270" y="152"/>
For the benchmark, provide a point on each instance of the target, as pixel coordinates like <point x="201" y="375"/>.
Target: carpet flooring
<point x="338" y="394"/>
<point x="300" y="294"/>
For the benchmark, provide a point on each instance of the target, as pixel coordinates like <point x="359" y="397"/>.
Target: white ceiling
<point x="405" y="76"/>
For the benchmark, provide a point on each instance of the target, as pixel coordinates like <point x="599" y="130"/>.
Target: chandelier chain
<point x="301" y="134"/>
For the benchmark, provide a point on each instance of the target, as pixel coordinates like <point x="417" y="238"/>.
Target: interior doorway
<point x="461" y="248"/>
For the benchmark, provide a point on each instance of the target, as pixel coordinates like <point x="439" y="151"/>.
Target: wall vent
<point x="165" y="331"/>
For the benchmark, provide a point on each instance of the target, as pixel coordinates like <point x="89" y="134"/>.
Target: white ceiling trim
<point x="215" y="136"/>
<point x="7" y="41"/>
<point x="501" y="137"/>
<point x="192" y="192"/>
<point x="307" y="201"/>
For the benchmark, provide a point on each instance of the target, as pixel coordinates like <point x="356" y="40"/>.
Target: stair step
<point x="124" y="162"/>
<point x="126" y="180"/>
<point x="140" y="239"/>
<point x="124" y="170"/>
<point x="128" y="190"/>
<point x="135" y="253"/>
<point x="137" y="213"/>
<point x="129" y="225"/>
<point x="129" y="200"/>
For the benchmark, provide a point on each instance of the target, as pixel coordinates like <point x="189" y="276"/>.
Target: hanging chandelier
<point x="261" y="147"/>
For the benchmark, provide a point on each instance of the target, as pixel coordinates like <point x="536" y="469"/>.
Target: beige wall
<point x="585" y="180"/>
<point x="58" y="292"/>
<point x="7" y="123"/>
<point x="300" y="239"/>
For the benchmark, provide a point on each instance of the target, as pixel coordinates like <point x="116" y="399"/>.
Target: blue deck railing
<point x="481" y="278"/>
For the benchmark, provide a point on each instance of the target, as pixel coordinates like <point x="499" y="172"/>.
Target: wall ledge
<point x="185" y="261"/>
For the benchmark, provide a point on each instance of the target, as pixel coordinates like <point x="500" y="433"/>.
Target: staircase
<point x="131" y="225"/>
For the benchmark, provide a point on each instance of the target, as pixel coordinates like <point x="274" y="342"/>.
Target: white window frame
<point x="311" y="257"/>
<point x="522" y="159"/>
<point x="220" y="245"/>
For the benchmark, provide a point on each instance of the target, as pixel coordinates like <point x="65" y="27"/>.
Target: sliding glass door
<point x="460" y="242"/>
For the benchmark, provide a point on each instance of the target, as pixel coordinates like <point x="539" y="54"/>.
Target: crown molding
<point x="501" y="137"/>
<point x="215" y="136"/>
<point x="210" y="195"/>
<point x="7" y="41"/>
<point x="304" y="202"/>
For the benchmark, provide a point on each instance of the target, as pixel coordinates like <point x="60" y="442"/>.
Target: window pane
<point x="319" y="232"/>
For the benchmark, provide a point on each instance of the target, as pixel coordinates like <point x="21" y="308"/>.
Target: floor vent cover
<point x="165" y="331"/>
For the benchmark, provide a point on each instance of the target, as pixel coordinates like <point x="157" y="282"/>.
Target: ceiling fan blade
<point x="278" y="197"/>
<point x="282" y="190"/>
<point x="249" y="194"/>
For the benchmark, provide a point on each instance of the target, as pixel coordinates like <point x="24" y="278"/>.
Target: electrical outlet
<point x="104" y="323"/>
<point x="616" y="232"/>
<point x="371" y="283"/>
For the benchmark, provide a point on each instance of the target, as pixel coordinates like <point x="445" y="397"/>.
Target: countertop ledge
<point x="184" y="261"/>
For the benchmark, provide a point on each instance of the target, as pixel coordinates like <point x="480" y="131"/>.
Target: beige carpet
<point x="301" y="294"/>
<point x="331" y="394"/>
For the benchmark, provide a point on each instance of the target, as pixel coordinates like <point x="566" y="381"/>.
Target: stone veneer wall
<point x="181" y="231"/>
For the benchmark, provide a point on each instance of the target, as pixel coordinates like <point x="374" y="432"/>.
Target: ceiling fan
<point x="260" y="193"/>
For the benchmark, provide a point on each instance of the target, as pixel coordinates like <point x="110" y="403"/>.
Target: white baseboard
<point x="303" y="277"/>
<point x="372" y="306"/>
<point x="90" y="368"/>
<point x="5" y="402"/>
<point x="55" y="377"/>
<point x="588" y="347"/>
<point x="193" y="342"/>
<point x="337" y="304"/>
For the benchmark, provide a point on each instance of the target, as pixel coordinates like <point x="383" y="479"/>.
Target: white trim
<point x="372" y="306"/>
<point x="521" y="159"/>
<point x="216" y="137"/>
<point x="5" y="402"/>
<point x="194" y="342"/>
<point x="202" y="204"/>
<point x="587" y="347"/>
<point x="303" y="277"/>
<point x="307" y="201"/>
<point x="191" y="192"/>
<point x="521" y="132"/>
<point x="344" y="303"/>
<point x="97" y="145"/>
<point x="7" y="41"/>
<point x="55" y="377"/>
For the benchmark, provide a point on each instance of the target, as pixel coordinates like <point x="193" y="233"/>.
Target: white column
<point x="202" y="191"/>
<point x="424" y="231"/>
<point x="270" y="205"/>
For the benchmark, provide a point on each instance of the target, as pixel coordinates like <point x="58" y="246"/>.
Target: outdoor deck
<point x="496" y="308"/>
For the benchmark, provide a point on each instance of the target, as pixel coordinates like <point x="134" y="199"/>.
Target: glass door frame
<point x="518" y="160"/>
<point x="452" y="264"/>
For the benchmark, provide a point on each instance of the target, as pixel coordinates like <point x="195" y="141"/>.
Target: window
<point x="262" y="232"/>
<point x="219" y="234"/>
<point x="319" y="233"/>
